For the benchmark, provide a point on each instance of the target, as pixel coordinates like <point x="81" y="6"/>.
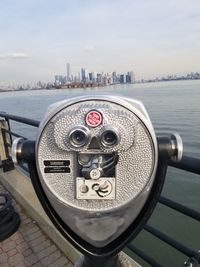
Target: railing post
<point x="2" y="147"/>
<point x="6" y="161"/>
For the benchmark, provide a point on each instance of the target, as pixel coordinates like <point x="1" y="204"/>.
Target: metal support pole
<point x="112" y="261"/>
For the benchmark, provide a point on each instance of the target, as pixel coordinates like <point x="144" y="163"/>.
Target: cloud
<point x="14" y="56"/>
<point x="88" y="48"/>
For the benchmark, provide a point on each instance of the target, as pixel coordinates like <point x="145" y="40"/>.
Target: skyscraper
<point x="84" y="75"/>
<point x="69" y="75"/>
<point x="132" y="77"/>
<point x="123" y="78"/>
<point x="114" y="77"/>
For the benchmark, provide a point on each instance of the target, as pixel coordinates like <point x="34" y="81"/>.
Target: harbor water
<point x="173" y="107"/>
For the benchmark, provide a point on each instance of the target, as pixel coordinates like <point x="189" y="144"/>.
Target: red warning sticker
<point x="93" y="118"/>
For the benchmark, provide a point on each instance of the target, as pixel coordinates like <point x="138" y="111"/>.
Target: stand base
<point x="115" y="261"/>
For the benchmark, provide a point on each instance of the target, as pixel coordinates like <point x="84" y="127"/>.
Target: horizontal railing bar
<point x="170" y="241"/>
<point x="189" y="164"/>
<point x="30" y="122"/>
<point x="143" y="256"/>
<point x="12" y="133"/>
<point x="179" y="207"/>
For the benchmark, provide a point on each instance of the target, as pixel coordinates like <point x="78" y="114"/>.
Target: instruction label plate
<point x="56" y="166"/>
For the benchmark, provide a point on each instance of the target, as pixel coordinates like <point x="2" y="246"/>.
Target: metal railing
<point x="192" y="165"/>
<point x="188" y="164"/>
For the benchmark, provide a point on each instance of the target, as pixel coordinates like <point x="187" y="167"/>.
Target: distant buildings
<point x="85" y="78"/>
<point x="94" y="78"/>
<point x="60" y="79"/>
<point x="175" y="77"/>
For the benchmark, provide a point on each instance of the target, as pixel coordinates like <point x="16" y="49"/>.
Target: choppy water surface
<point x="173" y="107"/>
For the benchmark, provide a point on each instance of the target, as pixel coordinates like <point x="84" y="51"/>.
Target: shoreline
<point x="74" y="88"/>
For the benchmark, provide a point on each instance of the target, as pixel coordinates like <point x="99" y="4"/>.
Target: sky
<point x="150" y="37"/>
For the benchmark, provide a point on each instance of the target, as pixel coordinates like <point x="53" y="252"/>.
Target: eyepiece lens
<point x="78" y="138"/>
<point x="109" y="138"/>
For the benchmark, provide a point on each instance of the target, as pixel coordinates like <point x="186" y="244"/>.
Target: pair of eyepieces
<point x="80" y="136"/>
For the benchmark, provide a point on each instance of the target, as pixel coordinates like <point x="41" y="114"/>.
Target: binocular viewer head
<point x="96" y="169"/>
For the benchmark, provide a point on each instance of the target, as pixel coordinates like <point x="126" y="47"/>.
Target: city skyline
<point x="93" y="77"/>
<point x="95" y="80"/>
<point x="152" y="38"/>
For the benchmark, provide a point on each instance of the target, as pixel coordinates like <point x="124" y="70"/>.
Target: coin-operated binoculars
<point x="98" y="170"/>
